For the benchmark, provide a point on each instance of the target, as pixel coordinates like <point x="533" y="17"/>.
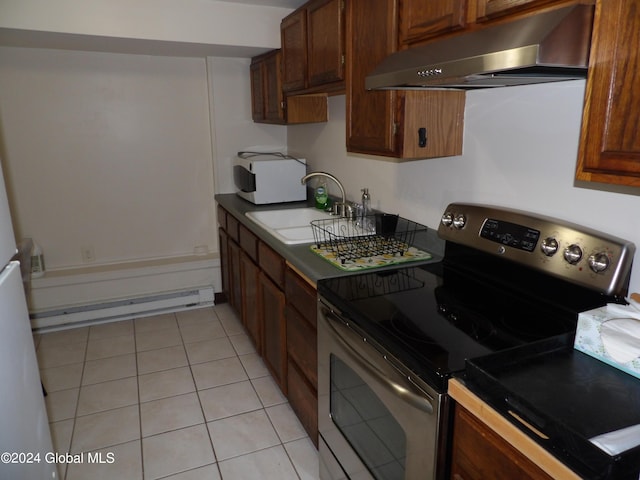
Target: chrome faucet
<point x="338" y="208"/>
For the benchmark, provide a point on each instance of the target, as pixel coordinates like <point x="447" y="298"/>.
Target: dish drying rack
<point x="366" y="237"/>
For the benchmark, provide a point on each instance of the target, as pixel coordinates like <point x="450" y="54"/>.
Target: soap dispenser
<point x="321" y="196"/>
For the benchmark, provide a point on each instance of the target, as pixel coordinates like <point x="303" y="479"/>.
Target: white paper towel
<point x="619" y="440"/>
<point x="621" y="334"/>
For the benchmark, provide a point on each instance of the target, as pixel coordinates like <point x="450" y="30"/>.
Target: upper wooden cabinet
<point x="479" y="453"/>
<point x="293" y="32"/>
<point x="268" y="104"/>
<point x="422" y="19"/>
<point x="313" y="46"/>
<point x="389" y="123"/>
<point x="489" y="9"/>
<point x="610" y="139"/>
<point x="266" y="92"/>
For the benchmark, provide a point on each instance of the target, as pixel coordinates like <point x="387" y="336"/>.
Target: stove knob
<point x="447" y="219"/>
<point x="549" y="246"/>
<point x="459" y="221"/>
<point x="573" y="254"/>
<point x="598" y="262"/>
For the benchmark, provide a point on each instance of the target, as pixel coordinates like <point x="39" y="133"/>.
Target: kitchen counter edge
<point x="300" y="256"/>
<point x="499" y="424"/>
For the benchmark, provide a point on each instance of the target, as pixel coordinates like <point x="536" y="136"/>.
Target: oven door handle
<point x="409" y="393"/>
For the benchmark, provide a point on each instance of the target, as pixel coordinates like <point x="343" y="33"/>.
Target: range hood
<point x="545" y="47"/>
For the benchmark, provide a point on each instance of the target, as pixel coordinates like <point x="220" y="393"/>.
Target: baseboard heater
<point x="122" y="309"/>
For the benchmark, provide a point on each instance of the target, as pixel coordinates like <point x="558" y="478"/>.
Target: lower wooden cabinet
<point x="249" y="277"/>
<point x="274" y="329"/>
<point x="479" y="453"/>
<point x="278" y="309"/>
<point x="302" y="351"/>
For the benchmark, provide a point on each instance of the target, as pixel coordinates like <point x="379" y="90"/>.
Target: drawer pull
<point x="528" y="425"/>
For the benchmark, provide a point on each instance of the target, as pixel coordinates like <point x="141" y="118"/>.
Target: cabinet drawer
<point x="303" y="400"/>
<point x="248" y="242"/>
<point x="271" y="264"/>
<point x="232" y="227"/>
<point x="301" y="295"/>
<point x="479" y="453"/>
<point x="302" y="344"/>
<point x="222" y="217"/>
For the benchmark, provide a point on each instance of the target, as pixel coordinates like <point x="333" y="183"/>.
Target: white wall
<point x="234" y="128"/>
<point x="107" y="151"/>
<point x="520" y="149"/>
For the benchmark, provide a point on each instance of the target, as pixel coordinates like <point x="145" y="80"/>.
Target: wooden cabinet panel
<point x="479" y="453"/>
<point x="387" y="122"/>
<point x="302" y="345"/>
<point x="272" y="264"/>
<point x="251" y="309"/>
<point x="293" y="32"/>
<point x="610" y="138"/>
<point x="232" y="227"/>
<point x="424" y="19"/>
<point x="488" y="9"/>
<point x="224" y="264"/>
<point x="301" y="295"/>
<point x="267" y="104"/>
<point x="371" y="28"/>
<point x="222" y="217"/>
<point x="248" y="242"/>
<point x="274" y="332"/>
<point x="256" y="70"/>
<point x="325" y="41"/>
<point x="302" y="350"/>
<point x="303" y="399"/>
<point x="235" y="288"/>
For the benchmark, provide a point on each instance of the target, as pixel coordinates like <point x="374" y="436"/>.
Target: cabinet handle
<point x="422" y="137"/>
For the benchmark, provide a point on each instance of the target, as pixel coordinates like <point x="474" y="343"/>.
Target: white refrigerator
<point x="25" y="438"/>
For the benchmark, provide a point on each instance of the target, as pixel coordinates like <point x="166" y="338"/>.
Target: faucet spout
<point x="304" y="180"/>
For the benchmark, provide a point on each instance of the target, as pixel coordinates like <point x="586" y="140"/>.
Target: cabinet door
<point x="274" y="333"/>
<point x="293" y="31"/>
<point x="303" y="399"/>
<point x="257" y="91"/>
<point x="224" y="263"/>
<point x="273" y="110"/>
<point x="388" y="122"/>
<point x="251" y="319"/>
<point x="325" y="41"/>
<point x="235" y="288"/>
<point x="266" y="88"/>
<point x="610" y="139"/>
<point x="423" y="19"/>
<point x="488" y="9"/>
<point x="479" y="453"/>
<point x="371" y="28"/>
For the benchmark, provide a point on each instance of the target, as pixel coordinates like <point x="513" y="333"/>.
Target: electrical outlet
<point x="88" y="255"/>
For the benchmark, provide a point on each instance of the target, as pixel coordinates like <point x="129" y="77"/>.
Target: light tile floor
<point x="175" y="396"/>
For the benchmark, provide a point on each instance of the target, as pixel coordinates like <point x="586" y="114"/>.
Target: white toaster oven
<point x="269" y="177"/>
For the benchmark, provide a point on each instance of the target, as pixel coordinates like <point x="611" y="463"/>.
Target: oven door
<point x="374" y="421"/>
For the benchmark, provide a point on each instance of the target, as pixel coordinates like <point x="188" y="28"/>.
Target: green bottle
<point x="321" y="197"/>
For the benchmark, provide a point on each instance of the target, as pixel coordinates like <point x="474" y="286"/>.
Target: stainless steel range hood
<point x="546" y="47"/>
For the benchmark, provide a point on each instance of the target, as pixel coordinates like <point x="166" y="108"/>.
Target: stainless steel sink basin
<point x="290" y="226"/>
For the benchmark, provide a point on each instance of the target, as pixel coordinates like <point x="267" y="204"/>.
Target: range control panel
<point x="574" y="253"/>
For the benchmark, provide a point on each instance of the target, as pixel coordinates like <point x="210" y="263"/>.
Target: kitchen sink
<point x="290" y="225"/>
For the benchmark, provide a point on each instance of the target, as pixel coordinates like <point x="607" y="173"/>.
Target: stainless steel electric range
<point x="389" y="340"/>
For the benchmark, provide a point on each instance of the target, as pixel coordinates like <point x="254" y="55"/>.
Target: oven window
<point x="366" y="423"/>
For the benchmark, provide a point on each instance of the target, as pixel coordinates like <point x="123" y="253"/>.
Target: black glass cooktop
<point x="434" y="317"/>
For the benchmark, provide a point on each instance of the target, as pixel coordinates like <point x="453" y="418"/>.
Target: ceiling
<point x="293" y="4"/>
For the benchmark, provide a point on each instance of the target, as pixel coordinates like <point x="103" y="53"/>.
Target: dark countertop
<point x="300" y="256"/>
